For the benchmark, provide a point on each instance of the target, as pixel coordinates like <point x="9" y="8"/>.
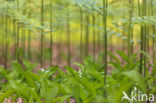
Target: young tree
<point x="154" y="34"/>
<point x="142" y="40"/>
<point x="94" y="47"/>
<point x="87" y="35"/>
<point x="42" y="31"/>
<point x="6" y="39"/>
<point x="18" y="29"/>
<point x="51" y="34"/>
<point x="68" y="37"/>
<point x="81" y="34"/>
<point x="105" y="3"/>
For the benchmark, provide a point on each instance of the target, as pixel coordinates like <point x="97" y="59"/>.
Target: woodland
<point x="77" y="51"/>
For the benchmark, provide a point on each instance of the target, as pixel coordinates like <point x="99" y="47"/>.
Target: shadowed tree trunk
<point x="99" y="35"/>
<point x="68" y="37"/>
<point x="6" y="39"/>
<point x="29" y="35"/>
<point x="87" y="36"/>
<point x="23" y="32"/>
<point x="105" y="3"/>
<point x="42" y="35"/>
<point x="51" y="35"/>
<point x="18" y="28"/>
<point x="130" y="32"/>
<point x="14" y="32"/>
<point x="145" y="35"/>
<point x="81" y="34"/>
<point x="154" y="34"/>
<point x="141" y="42"/>
<point x="94" y="48"/>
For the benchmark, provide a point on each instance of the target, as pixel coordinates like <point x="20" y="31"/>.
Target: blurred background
<point x="61" y="32"/>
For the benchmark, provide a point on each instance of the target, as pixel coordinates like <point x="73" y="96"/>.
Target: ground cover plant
<point x="77" y="51"/>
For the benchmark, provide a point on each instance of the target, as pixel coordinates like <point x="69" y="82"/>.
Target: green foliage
<point x="133" y="22"/>
<point x="85" y="85"/>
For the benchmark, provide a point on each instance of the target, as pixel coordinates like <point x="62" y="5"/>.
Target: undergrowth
<point x="53" y="85"/>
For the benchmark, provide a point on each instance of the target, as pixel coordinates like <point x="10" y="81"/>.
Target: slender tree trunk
<point x="129" y="32"/>
<point x="131" y="27"/>
<point x="23" y="42"/>
<point x="154" y="35"/>
<point x="23" y="35"/>
<point x="29" y="44"/>
<point x="14" y="31"/>
<point x="99" y="36"/>
<point x="6" y="40"/>
<point x="105" y="3"/>
<point x="87" y="36"/>
<point x="123" y="40"/>
<point x="9" y="38"/>
<point x="3" y="40"/>
<point x="42" y="35"/>
<point x="94" y="47"/>
<point x="142" y="40"/>
<point x="18" y="28"/>
<point x="51" y="35"/>
<point x="29" y="37"/>
<point x="1" y="23"/>
<point x="111" y="45"/>
<point x="68" y="42"/>
<point x="81" y="34"/>
<point x="145" y="35"/>
<point x="148" y="30"/>
<point x="148" y="40"/>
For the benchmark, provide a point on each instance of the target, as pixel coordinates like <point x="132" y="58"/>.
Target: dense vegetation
<point x="83" y="51"/>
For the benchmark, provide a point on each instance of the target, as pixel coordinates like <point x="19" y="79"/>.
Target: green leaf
<point x="7" y="94"/>
<point x="135" y="77"/>
<point x="123" y="55"/>
<point x="51" y="94"/>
